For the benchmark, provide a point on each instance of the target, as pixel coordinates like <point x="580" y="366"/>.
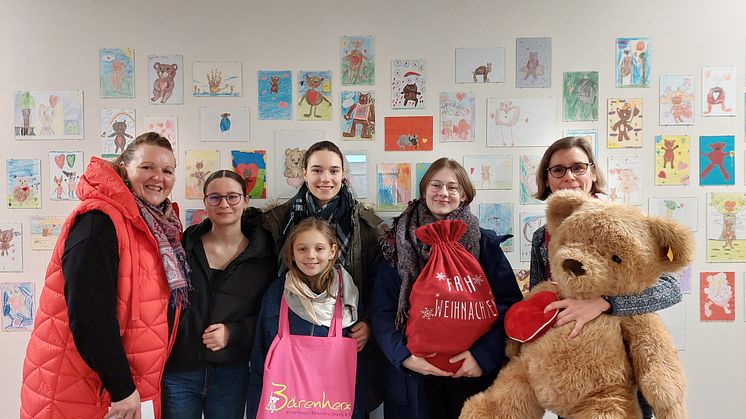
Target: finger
<point x="576" y="330"/>
<point x="212" y="328"/>
<point x="555" y="305"/>
<point x="138" y="414"/>
<point x="356" y="327"/>
<point x="457" y="358"/>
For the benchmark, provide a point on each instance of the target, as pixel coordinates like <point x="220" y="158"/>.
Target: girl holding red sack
<point x="311" y="300"/>
<point x="415" y="387"/>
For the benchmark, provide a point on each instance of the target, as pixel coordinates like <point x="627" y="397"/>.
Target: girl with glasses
<point x="232" y="266"/>
<point x="569" y="163"/>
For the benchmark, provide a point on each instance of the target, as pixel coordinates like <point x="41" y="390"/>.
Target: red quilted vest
<point x="57" y="383"/>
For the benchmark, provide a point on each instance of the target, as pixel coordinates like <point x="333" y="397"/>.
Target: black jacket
<point x="233" y="300"/>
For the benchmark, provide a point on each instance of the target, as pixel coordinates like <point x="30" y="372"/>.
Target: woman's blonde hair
<point x="323" y="281"/>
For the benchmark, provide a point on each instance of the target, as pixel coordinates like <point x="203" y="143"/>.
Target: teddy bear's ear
<point x="674" y="241"/>
<point x="561" y="204"/>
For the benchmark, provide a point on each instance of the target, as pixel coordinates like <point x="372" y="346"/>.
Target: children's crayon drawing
<point x="24" y="183"/>
<point x="529" y="223"/>
<point x="11" y="247"/>
<point x="520" y="122"/>
<point x="394" y="181"/>
<point x="65" y="168"/>
<point x="672" y="153"/>
<point x="527" y="167"/>
<point x="315" y="93"/>
<point x="226" y="123"/>
<point x="290" y="146"/>
<point x="457" y="116"/>
<point x="166" y="78"/>
<point x="681" y="209"/>
<point x="533" y="61"/>
<point x="624" y="120"/>
<point x="717" y="160"/>
<point x="719" y="92"/>
<point x="49" y="115"/>
<point x="194" y="216"/>
<point x="499" y="218"/>
<point x="166" y="127"/>
<point x="198" y="165"/>
<point x="419" y="170"/>
<point x="624" y="184"/>
<point x="358" y="115"/>
<point x="275" y="94"/>
<point x="726" y="227"/>
<point x="356" y="172"/>
<point x="44" y="231"/>
<point x="18" y="306"/>
<point x="118" y="129"/>
<point x="590" y="135"/>
<point x="580" y="96"/>
<point x="216" y="79"/>
<point x="490" y="172"/>
<point x="717" y="299"/>
<point x="523" y="279"/>
<point x="357" y="55"/>
<point x="676" y="100"/>
<point x="480" y="65"/>
<point x="633" y="62"/>
<point x="251" y="165"/>
<point x="116" y="68"/>
<point x="408" y="133"/>
<point x="408" y="84"/>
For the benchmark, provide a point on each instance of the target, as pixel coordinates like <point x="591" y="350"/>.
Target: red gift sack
<point x="451" y="304"/>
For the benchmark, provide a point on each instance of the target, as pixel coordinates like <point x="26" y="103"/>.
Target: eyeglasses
<point x="232" y="199"/>
<point x="577" y="169"/>
<point x="437" y="186"/>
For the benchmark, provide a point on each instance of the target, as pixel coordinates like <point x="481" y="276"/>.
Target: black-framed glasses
<point x="232" y="199"/>
<point x="576" y="169"/>
<point x="452" y="188"/>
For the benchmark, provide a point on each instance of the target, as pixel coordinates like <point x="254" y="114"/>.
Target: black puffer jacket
<point x="234" y="300"/>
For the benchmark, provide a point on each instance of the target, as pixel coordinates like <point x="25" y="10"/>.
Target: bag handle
<point x="335" y="329"/>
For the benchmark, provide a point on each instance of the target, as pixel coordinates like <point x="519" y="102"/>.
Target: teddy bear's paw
<point x="478" y="407"/>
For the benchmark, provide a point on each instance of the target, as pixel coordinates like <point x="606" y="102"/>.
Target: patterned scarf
<point x="166" y="228"/>
<point x="338" y="212"/>
<point x="409" y="255"/>
<point x="319" y="308"/>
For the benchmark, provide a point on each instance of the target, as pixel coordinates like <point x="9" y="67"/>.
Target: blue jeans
<point x="218" y="392"/>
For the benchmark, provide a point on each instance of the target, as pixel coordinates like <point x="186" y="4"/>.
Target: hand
<point x="469" y="368"/>
<point x="216" y="336"/>
<point x="420" y="365"/>
<point x="579" y="311"/>
<point x="128" y="408"/>
<point x="361" y="333"/>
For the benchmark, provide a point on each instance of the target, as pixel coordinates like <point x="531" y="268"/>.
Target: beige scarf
<point x="319" y="308"/>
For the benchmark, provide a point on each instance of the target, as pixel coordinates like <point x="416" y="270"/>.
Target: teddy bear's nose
<point x="574" y="267"/>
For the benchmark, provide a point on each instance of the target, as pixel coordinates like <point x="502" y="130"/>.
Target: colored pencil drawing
<point x="717" y="160"/>
<point x="529" y="223"/>
<point x="251" y="165"/>
<point x="719" y="91"/>
<point x="290" y="146"/>
<point x="624" y="119"/>
<point x="49" y="115"/>
<point x="408" y="133"/>
<point x="590" y="135"/>
<point x="408" y="84"/>
<point x="528" y="165"/>
<point x="533" y="59"/>
<point x="44" y="231"/>
<point x="65" y="168"/>
<point x="717" y="299"/>
<point x="681" y="209"/>
<point x="358" y="115"/>
<point x="684" y="277"/>
<point x="672" y="153"/>
<point x="166" y="77"/>
<point x="499" y="218"/>
<point x="24" y="183"/>
<point x="166" y="127"/>
<point x="394" y="182"/>
<point x="117" y="129"/>
<point x="523" y="279"/>
<point x="520" y="122"/>
<point x="726" y="227"/>
<point x="624" y="180"/>
<point x="18" y="306"/>
<point x="490" y="172"/>
<point x="580" y="96"/>
<point x="198" y="165"/>
<point x="357" y="55"/>
<point x="216" y="79"/>
<point x="356" y="172"/>
<point x="419" y="170"/>
<point x="457" y="116"/>
<point x="229" y="123"/>
<point x="676" y="100"/>
<point x="116" y="69"/>
<point x="11" y="247"/>
<point x="275" y="95"/>
<point x="194" y="216"/>
<point x="633" y="62"/>
<point x="480" y="65"/>
<point x="315" y="93"/>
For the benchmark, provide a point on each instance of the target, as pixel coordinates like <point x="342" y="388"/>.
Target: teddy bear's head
<point x="599" y="248"/>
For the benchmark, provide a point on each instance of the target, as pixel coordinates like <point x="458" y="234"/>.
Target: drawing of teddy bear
<point x="362" y="113"/>
<point x="119" y="134"/>
<point x="163" y="86"/>
<point x="21" y="191"/>
<point x="293" y="166"/>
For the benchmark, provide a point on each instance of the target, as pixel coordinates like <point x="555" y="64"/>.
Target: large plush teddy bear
<point x="596" y="249"/>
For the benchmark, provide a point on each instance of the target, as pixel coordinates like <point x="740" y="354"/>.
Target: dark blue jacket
<point x="404" y="392"/>
<point x="266" y="330"/>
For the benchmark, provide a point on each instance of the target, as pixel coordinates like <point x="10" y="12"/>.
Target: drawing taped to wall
<point x="315" y="93"/>
<point x="356" y="172"/>
<point x="681" y="209"/>
<point x="44" y="231"/>
<point x="490" y="171"/>
<point x="227" y="123"/>
<point x="633" y="62"/>
<point x="624" y="120"/>
<point x="65" y="168"/>
<point x="357" y="60"/>
<point x="672" y="153"/>
<point x="290" y="146"/>
<point x="589" y="134"/>
<point x="623" y="180"/>
<point x="408" y="133"/>
<point x="717" y="160"/>
<point x="23" y="183"/>
<point x="520" y="122"/>
<point x="116" y="67"/>
<point x="719" y="91"/>
<point x="166" y="77"/>
<point x="480" y="65"/>
<point x="394" y="182"/>
<point x="457" y="116"/>
<point x="198" y="165"/>
<point x="419" y="170"/>
<point x="580" y="96"/>
<point x="216" y="79"/>
<point x="251" y="165"/>
<point x="533" y="60"/>
<point x="528" y="165"/>
<point x="11" y="247"/>
<point x="358" y="115"/>
<point x="48" y="115"/>
<point x="194" y="216"/>
<point x="408" y="84"/>
<point x="275" y="94"/>
<point x="529" y="222"/>
<point x="117" y="129"/>
<point x="499" y="218"/>
<point x="726" y="227"/>
<point x="18" y="306"/>
<point x="166" y="127"/>
<point x="717" y="292"/>
<point x="676" y="100"/>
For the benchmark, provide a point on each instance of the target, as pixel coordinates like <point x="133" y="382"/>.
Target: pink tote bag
<point x="309" y="375"/>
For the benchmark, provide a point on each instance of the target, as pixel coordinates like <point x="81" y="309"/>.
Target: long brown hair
<point x="543" y="192"/>
<point x="148" y="138"/>
<point x="323" y="281"/>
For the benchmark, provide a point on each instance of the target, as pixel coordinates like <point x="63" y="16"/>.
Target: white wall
<point x="50" y="45"/>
